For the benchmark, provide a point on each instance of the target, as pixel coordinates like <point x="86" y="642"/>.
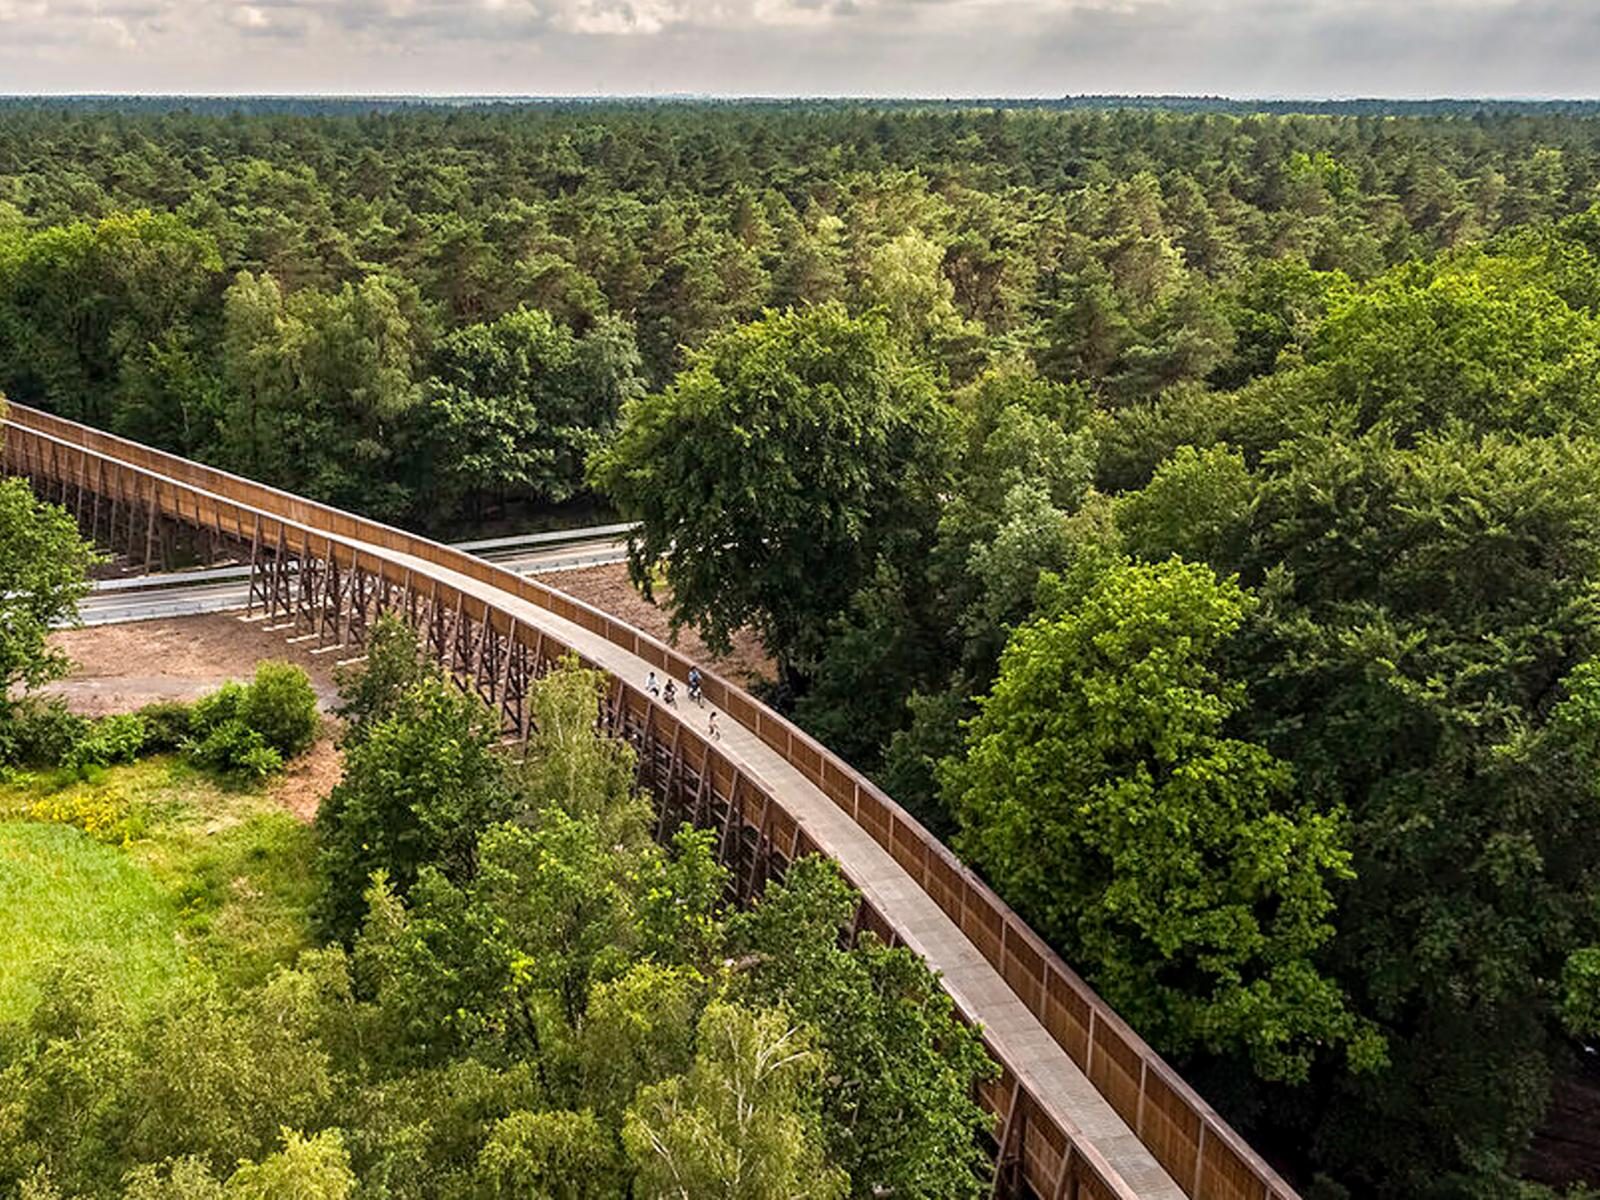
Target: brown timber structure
<point x="1084" y="1109"/>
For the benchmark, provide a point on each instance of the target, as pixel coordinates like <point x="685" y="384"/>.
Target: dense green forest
<point x="1193" y="515"/>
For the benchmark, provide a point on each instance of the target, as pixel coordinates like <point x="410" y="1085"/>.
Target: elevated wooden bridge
<point x="1084" y="1109"/>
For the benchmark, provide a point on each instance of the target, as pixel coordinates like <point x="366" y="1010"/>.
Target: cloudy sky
<point x="1253" y="48"/>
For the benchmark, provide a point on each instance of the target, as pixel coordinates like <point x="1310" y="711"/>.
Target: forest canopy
<point x="1189" y="511"/>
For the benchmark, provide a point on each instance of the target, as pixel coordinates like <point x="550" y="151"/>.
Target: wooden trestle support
<point x="301" y="589"/>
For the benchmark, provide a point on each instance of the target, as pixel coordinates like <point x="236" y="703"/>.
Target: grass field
<point x="154" y="870"/>
<point x="62" y="894"/>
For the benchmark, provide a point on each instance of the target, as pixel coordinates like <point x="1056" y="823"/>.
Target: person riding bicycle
<point x="669" y="694"/>
<point x="694" y="684"/>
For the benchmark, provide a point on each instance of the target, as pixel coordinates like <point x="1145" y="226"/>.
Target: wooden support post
<point x="1008" y="1157"/>
<point x="1067" y="1177"/>
<point x="280" y="554"/>
<point x="332" y="599"/>
<point x="730" y="821"/>
<point x="668" y="791"/>
<point x="115" y="511"/>
<point x="757" y="878"/>
<point x="305" y="591"/>
<point x="704" y="787"/>
<point x="258" y="579"/>
<point x="99" y="491"/>
<point x="475" y="657"/>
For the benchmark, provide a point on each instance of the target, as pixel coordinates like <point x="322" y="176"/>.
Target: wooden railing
<point x="1206" y="1158"/>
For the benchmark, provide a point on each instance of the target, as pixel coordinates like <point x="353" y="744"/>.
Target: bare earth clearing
<point x="119" y="668"/>
<point x="122" y="667"/>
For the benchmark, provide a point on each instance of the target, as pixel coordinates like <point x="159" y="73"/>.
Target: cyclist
<point x="694" y="685"/>
<point x="670" y="693"/>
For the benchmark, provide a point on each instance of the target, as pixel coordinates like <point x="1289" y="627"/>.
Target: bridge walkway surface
<point x="978" y="989"/>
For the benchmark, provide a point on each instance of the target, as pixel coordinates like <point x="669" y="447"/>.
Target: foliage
<point x="741" y="1123"/>
<point x="249" y="730"/>
<point x="416" y="790"/>
<point x="898" y="1113"/>
<point x="517" y="405"/>
<point x="43" y="561"/>
<point x="1580" y="1005"/>
<point x="167" y="724"/>
<point x="281" y="706"/>
<point x="41" y="731"/>
<point x="769" y="473"/>
<point x="372" y="690"/>
<point x="1347" y="360"/>
<point x="314" y="1168"/>
<point x="1169" y="860"/>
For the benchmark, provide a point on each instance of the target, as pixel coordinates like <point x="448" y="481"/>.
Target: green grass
<point x="177" y="875"/>
<point x="64" y="894"/>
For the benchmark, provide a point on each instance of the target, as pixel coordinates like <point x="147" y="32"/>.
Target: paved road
<point x="220" y="589"/>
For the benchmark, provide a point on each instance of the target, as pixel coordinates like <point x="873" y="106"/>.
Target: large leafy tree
<point x="321" y="388"/>
<point x="898" y="1113"/>
<point x="1171" y="862"/>
<point x="80" y="301"/>
<point x="773" y="471"/>
<point x="1416" y="509"/>
<point x="515" y="406"/>
<point x="418" y="787"/>
<point x="43" y="566"/>
<point x="741" y="1123"/>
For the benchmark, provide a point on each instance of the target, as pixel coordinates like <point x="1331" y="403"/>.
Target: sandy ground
<point x="306" y="782"/>
<point x="118" y="668"/>
<point x="608" y="588"/>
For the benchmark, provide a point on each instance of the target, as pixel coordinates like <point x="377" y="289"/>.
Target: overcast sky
<point x="1252" y="48"/>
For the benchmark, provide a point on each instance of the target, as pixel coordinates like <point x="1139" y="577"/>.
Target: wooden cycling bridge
<point x="1084" y="1108"/>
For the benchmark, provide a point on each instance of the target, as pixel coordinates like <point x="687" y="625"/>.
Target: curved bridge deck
<point x="1084" y="1108"/>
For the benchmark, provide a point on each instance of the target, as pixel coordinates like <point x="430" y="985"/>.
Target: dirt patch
<point x="118" y="668"/>
<point x="610" y="589"/>
<point x="307" y="780"/>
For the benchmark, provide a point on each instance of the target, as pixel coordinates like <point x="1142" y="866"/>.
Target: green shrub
<point x="115" y="739"/>
<point x="281" y="706"/>
<point x="249" y="730"/>
<point x="233" y="748"/>
<point x="40" y="732"/>
<point x="219" y="707"/>
<point x="167" y="725"/>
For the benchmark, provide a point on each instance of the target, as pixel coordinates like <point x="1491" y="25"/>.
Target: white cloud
<point x="918" y="47"/>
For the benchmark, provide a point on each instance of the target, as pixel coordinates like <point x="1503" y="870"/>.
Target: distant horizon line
<point x="1031" y="98"/>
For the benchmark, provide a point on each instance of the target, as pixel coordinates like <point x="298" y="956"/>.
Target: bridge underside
<point x="1083" y="1108"/>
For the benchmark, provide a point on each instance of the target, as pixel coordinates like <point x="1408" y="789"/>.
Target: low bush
<point x="167" y="725"/>
<point x="249" y="730"/>
<point x="115" y="739"/>
<point x="40" y="732"/>
<point x="219" y="707"/>
<point x="233" y="748"/>
<point x="281" y="705"/>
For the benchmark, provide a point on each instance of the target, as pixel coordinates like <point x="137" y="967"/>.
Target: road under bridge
<point x="1084" y="1108"/>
